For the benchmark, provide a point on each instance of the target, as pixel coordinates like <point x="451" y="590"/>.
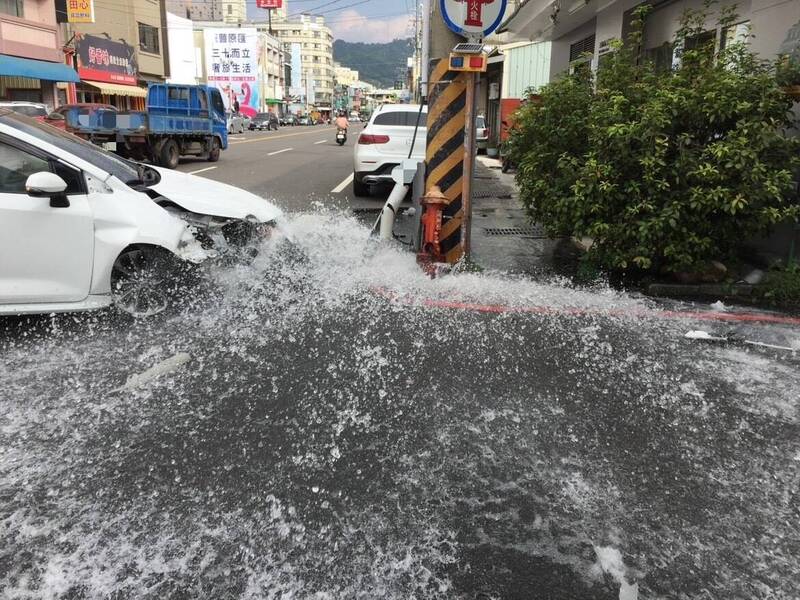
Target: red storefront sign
<point x="269" y="3"/>
<point x="100" y="59"/>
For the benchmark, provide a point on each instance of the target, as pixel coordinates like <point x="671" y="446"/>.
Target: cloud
<point x="352" y="26"/>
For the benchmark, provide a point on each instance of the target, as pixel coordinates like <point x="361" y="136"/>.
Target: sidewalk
<point x="503" y="238"/>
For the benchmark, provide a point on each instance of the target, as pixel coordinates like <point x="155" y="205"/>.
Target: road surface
<point x="330" y="424"/>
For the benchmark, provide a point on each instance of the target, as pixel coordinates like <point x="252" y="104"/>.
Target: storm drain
<point x="534" y="231"/>
<point x="491" y="194"/>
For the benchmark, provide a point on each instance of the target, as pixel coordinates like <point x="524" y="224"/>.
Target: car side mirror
<point x="55" y="116"/>
<point x="48" y="185"/>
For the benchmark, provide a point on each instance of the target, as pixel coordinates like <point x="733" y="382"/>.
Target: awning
<point x="118" y="89"/>
<point x="273" y="101"/>
<point x="14" y="66"/>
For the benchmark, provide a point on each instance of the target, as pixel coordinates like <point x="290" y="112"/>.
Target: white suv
<point x="388" y="138"/>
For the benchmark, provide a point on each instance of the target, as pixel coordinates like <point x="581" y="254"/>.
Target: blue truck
<point x="180" y="120"/>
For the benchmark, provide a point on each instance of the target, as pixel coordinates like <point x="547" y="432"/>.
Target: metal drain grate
<point x="534" y="231"/>
<point x="492" y="194"/>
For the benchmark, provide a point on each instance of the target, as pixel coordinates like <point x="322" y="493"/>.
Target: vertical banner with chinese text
<point x="232" y="66"/>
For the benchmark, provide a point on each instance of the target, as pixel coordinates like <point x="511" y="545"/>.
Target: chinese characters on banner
<point x="269" y="3"/>
<point x="80" y="11"/>
<point x="100" y="59"/>
<point x="232" y="66"/>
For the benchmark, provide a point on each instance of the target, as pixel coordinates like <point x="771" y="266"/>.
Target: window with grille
<point x="148" y="38"/>
<point x="581" y="48"/>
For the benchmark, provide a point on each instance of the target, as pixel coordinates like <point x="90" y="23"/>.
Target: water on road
<point x="338" y="426"/>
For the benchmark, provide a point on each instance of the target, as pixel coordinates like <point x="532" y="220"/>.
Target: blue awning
<point x="36" y="69"/>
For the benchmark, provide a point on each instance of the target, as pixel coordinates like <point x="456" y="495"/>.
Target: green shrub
<point x="781" y="287"/>
<point x="664" y="170"/>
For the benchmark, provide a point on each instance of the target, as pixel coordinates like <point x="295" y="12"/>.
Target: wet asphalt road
<point x="329" y="436"/>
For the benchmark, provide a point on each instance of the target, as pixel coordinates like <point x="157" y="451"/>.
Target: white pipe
<point x="426" y="47"/>
<point x="393" y="202"/>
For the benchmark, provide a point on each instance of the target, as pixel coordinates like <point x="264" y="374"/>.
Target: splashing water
<point x="327" y="442"/>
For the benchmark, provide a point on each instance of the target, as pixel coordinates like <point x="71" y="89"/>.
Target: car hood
<point x="209" y="197"/>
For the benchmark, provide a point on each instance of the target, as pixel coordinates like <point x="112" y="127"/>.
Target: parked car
<point x="305" y="121"/>
<point x="30" y="109"/>
<point x="57" y="118"/>
<point x="481" y="133"/>
<point x="235" y="122"/>
<point x="264" y="120"/>
<point x="290" y="120"/>
<point x="386" y="140"/>
<point x="83" y="228"/>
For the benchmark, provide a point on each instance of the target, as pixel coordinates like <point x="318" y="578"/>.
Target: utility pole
<point x="442" y="40"/>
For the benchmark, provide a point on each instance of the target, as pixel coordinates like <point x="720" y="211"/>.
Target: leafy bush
<point x="664" y="170"/>
<point x="782" y="287"/>
<point x="787" y="72"/>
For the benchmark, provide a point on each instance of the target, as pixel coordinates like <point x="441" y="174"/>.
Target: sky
<point x="357" y="20"/>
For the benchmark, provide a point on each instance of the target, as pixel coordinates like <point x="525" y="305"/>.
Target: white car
<point x="81" y="228"/>
<point x="388" y="138"/>
<point x="235" y="122"/>
<point x="31" y="109"/>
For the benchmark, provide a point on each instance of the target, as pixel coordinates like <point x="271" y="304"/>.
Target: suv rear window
<point x="401" y="118"/>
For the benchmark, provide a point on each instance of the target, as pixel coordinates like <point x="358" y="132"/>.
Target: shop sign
<point x="80" y="11"/>
<point x="269" y="3"/>
<point x="100" y="59"/>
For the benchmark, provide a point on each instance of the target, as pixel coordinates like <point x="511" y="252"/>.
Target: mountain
<point x="378" y="64"/>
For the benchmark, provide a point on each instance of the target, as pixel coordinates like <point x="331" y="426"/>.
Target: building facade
<point x="316" y="56"/>
<point x="123" y="51"/>
<point x="31" y="56"/>
<point x="580" y="32"/>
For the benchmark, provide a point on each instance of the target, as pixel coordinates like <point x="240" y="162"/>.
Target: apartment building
<point x="314" y="40"/>
<point x="31" y="56"/>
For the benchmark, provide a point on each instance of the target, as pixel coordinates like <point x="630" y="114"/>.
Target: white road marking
<point x="201" y="170"/>
<point x="347" y="181"/>
<point x="320" y="142"/>
<point x="279" y="151"/>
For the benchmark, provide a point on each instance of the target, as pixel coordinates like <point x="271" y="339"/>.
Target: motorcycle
<point x="341" y="136"/>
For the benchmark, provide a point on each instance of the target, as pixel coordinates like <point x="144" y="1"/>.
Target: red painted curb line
<point x="636" y="313"/>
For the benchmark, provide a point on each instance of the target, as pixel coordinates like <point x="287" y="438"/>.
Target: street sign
<point x="269" y="3"/>
<point x="473" y="18"/>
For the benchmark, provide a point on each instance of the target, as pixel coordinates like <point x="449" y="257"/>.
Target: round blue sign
<point x="472" y="18"/>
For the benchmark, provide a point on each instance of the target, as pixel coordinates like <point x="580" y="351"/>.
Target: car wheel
<point x="213" y="154"/>
<point x="360" y="189"/>
<point x="145" y="281"/>
<point x="170" y="154"/>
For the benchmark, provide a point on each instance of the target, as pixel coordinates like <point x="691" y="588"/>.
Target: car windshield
<point x="122" y="169"/>
<point x="30" y="111"/>
<point x="262" y="116"/>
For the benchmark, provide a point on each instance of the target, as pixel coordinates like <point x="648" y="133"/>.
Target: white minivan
<point x="82" y="228"/>
<point x="394" y="132"/>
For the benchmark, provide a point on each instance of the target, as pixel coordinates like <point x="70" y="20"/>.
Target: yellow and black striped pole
<point x="447" y="98"/>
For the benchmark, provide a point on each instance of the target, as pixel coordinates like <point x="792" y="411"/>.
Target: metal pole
<point x="269" y="18"/>
<point x="426" y="46"/>
<point x="469" y="163"/>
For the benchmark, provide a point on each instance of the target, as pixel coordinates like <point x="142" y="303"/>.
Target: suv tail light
<point x="368" y="138"/>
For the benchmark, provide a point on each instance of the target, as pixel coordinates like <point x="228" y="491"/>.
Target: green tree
<point x="663" y="169"/>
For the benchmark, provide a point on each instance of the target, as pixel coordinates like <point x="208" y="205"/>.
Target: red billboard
<point x="101" y="59"/>
<point x="269" y="3"/>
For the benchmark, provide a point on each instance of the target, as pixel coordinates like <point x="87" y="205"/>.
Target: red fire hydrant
<point x="430" y="251"/>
